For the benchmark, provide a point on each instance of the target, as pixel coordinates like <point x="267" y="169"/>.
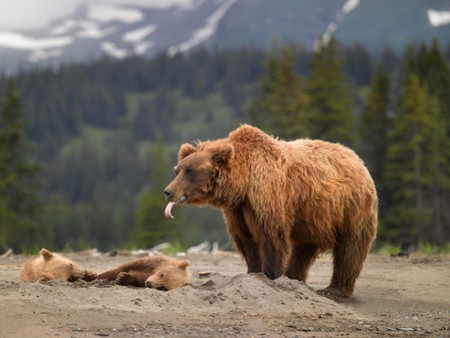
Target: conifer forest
<point x="86" y="149"/>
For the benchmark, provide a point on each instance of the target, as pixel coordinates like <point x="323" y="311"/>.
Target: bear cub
<point x="51" y="266"/>
<point x="158" y="272"/>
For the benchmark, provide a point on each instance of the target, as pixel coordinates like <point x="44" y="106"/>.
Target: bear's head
<point x="55" y="266"/>
<point x="170" y="276"/>
<point x="196" y="171"/>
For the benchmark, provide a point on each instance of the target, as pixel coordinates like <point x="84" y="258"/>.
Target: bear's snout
<point x="168" y="193"/>
<point x="149" y="284"/>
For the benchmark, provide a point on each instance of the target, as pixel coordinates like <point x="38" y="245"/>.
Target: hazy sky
<point x="35" y="13"/>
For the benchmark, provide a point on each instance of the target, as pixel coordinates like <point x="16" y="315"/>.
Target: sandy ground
<point x="395" y="297"/>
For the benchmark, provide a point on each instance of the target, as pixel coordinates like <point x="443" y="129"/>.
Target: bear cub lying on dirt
<point x="158" y="272"/>
<point x="50" y="266"/>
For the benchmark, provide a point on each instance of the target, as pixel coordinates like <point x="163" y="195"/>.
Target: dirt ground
<point x="394" y="297"/>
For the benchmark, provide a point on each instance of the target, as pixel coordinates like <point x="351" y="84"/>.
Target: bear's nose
<point x="148" y="284"/>
<point x="168" y="193"/>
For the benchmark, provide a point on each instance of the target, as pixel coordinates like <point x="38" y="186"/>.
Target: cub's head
<point x="195" y="173"/>
<point x="170" y="276"/>
<point x="59" y="267"/>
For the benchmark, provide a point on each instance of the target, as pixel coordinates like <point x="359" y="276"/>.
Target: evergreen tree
<point x="416" y="154"/>
<point x="20" y="202"/>
<point x="332" y="109"/>
<point x="281" y="106"/>
<point x="433" y="70"/>
<point x="375" y="124"/>
<point x="152" y="227"/>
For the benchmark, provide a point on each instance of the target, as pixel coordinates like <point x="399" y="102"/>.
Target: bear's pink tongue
<point x="168" y="211"/>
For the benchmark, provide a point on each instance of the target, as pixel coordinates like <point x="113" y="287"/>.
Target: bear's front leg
<point x="240" y="234"/>
<point x="273" y="259"/>
<point x="132" y="278"/>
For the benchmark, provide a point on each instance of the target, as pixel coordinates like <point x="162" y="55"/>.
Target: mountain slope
<point x="97" y="29"/>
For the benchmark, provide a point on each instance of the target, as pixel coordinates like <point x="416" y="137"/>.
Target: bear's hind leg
<point x="302" y="257"/>
<point x="348" y="258"/>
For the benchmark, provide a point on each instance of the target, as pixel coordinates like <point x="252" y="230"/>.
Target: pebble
<point x="406" y="329"/>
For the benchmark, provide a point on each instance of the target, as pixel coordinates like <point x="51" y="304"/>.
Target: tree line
<point x="101" y="138"/>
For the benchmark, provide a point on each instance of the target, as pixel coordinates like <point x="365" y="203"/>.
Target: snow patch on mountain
<point x="111" y="49"/>
<point x="40" y="55"/>
<point x="204" y="33"/>
<point x="91" y="30"/>
<point x="137" y="38"/>
<point x="19" y="41"/>
<point x="158" y="4"/>
<point x="106" y="13"/>
<point x="142" y="47"/>
<point x="438" y="18"/>
<point x="348" y="6"/>
<point x="139" y="34"/>
<point x="64" y="28"/>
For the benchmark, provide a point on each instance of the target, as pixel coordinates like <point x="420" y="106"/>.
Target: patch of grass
<point x="388" y="249"/>
<point x="428" y="248"/>
<point x="174" y="248"/>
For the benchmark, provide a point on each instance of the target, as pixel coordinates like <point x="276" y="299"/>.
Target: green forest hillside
<point x="105" y="136"/>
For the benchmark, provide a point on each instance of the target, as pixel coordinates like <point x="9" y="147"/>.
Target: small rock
<point x="406" y="329"/>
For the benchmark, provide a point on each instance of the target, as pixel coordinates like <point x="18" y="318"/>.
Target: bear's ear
<point x="184" y="264"/>
<point x="46" y="254"/>
<point x="186" y="150"/>
<point x="223" y="154"/>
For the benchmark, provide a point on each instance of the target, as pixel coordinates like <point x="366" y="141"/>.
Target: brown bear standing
<point x="283" y="202"/>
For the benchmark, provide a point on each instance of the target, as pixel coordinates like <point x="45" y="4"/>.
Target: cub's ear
<point x="185" y="150"/>
<point x="46" y="254"/>
<point x="223" y="154"/>
<point x="184" y="264"/>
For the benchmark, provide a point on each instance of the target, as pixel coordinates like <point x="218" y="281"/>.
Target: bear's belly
<point x="304" y="233"/>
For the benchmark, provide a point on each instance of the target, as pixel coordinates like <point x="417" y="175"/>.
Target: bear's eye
<point x="162" y="275"/>
<point x="189" y="171"/>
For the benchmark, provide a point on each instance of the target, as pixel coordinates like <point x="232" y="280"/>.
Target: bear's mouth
<point x="170" y="205"/>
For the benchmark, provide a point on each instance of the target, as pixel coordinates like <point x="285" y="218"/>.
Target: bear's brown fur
<point x="283" y="202"/>
<point x="50" y="266"/>
<point x="158" y="272"/>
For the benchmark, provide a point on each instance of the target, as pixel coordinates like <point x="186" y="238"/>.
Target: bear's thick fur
<point x="158" y="272"/>
<point x="50" y="266"/>
<point x="283" y="202"/>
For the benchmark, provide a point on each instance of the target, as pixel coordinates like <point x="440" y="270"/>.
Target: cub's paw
<point x="122" y="278"/>
<point x="89" y="276"/>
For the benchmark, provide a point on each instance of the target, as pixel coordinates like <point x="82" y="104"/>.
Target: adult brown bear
<point x="283" y="202"/>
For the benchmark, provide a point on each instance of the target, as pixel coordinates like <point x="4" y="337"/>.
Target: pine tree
<point x="416" y="154"/>
<point x="281" y="107"/>
<point x="152" y="227"/>
<point x="332" y="110"/>
<point x="375" y="124"/>
<point x="433" y="71"/>
<point x="20" y="202"/>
